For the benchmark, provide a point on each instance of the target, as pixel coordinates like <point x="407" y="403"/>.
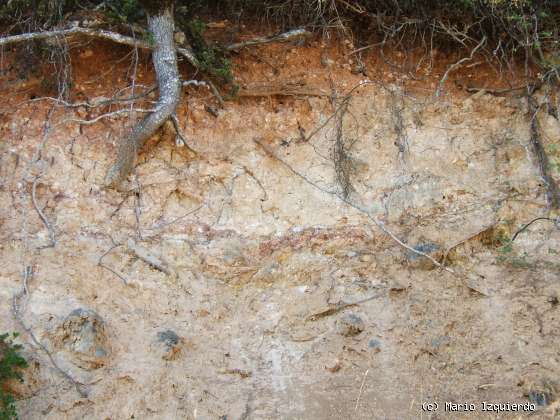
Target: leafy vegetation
<point x="124" y="11"/>
<point x="553" y="152"/>
<point x="212" y="58"/>
<point x="11" y="363"/>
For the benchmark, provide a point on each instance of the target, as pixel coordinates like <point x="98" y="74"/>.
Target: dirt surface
<point x="249" y="280"/>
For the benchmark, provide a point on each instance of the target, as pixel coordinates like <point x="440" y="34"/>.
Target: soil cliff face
<point x="248" y="279"/>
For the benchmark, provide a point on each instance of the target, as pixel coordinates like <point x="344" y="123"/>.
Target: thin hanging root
<point x="148" y="257"/>
<point x="283" y="37"/>
<point x="42" y="215"/>
<point x="180" y="140"/>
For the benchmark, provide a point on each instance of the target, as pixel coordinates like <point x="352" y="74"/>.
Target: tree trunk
<point x="164" y="57"/>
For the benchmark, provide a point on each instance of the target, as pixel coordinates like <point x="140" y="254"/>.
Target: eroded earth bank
<point x="247" y="278"/>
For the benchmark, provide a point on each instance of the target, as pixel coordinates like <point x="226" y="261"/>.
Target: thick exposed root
<point x="552" y="191"/>
<point x="164" y="57"/>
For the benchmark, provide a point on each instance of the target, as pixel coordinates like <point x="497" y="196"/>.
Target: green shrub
<point x="211" y="57"/>
<point x="11" y="363"/>
<point x="124" y="10"/>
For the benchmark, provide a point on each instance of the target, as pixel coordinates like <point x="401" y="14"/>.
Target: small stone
<point x="83" y="334"/>
<point x="350" y="325"/>
<point x="553" y="300"/>
<point x="335" y="366"/>
<point x="440" y="341"/>
<point x="374" y="344"/>
<point x="541" y="399"/>
<point x="327" y="62"/>
<point x="168" y="345"/>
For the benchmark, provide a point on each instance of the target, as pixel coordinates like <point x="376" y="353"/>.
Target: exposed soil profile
<point x="259" y="272"/>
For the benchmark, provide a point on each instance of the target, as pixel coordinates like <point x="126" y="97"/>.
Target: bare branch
<point x="180" y="140"/>
<point x="115" y="272"/>
<point x="283" y="37"/>
<point x="457" y="65"/>
<point x="97" y="33"/>
<point x="148" y="257"/>
<point x="286" y="89"/>
<point x="42" y="215"/>
<point x="107" y="115"/>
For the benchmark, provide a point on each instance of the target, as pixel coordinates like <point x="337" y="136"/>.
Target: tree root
<point x="150" y="258"/>
<point x="164" y="58"/>
<point x="283" y="37"/>
<point x="552" y="191"/>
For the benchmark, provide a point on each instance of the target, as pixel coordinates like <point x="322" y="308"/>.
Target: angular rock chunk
<point x="168" y="345"/>
<point x="350" y="325"/>
<point x="84" y="336"/>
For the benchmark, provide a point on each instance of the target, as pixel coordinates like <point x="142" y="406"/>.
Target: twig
<point x="103" y="116"/>
<point x="115" y="272"/>
<point x="97" y="33"/>
<point x="42" y="215"/>
<point x="191" y="58"/>
<point x="497" y="92"/>
<point x="196" y="83"/>
<point x="283" y="37"/>
<point x="361" y="390"/>
<point x="99" y="102"/>
<point x="457" y="65"/>
<point x="208" y="84"/>
<point x="138" y="206"/>
<point x="145" y="255"/>
<point x="341" y="306"/>
<point x="17" y="310"/>
<point x="162" y="225"/>
<point x="462" y="241"/>
<point x="556" y="221"/>
<point x="217" y="94"/>
<point x="281" y="91"/>
<point x="180" y="140"/>
<point x="336" y="111"/>
<point x="354" y="7"/>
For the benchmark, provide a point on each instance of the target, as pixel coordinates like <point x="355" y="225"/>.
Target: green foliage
<point x="506" y="248"/>
<point x="149" y="38"/>
<point x="521" y="261"/>
<point x="11" y="362"/>
<point x="124" y="11"/>
<point x="211" y="58"/>
<point x="510" y="257"/>
<point x="553" y="152"/>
